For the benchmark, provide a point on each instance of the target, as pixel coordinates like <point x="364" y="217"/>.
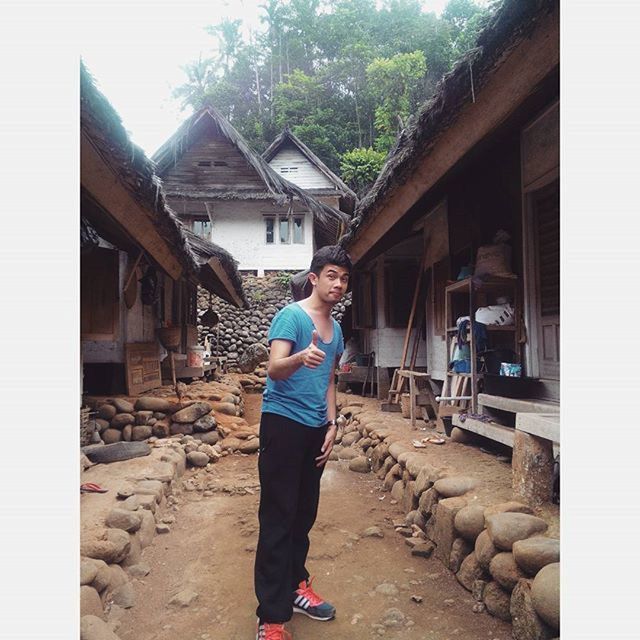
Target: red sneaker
<point x="271" y="631"/>
<point x="307" y="601"/>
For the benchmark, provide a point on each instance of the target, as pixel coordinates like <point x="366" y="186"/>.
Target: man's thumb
<point x="314" y="338"/>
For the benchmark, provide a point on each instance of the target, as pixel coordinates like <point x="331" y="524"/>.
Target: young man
<point x="297" y="431"/>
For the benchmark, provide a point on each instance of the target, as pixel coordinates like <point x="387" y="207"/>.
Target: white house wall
<point x="239" y="228"/>
<point x="307" y="175"/>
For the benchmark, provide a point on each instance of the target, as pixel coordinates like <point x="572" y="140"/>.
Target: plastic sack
<point x="496" y="314"/>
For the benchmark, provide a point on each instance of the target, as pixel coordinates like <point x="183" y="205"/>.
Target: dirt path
<point x="210" y="551"/>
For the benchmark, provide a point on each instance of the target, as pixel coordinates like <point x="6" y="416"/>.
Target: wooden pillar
<point x="382" y="375"/>
<point x="532" y="465"/>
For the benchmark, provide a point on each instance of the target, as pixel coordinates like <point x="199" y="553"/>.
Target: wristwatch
<point x="331" y="423"/>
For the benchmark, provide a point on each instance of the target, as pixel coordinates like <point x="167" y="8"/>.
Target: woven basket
<point x="86" y="426"/>
<point x="405" y="405"/>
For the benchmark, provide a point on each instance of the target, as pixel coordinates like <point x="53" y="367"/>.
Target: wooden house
<point x="221" y="188"/>
<point x="481" y="156"/>
<point x="139" y="268"/>
<point x="293" y="160"/>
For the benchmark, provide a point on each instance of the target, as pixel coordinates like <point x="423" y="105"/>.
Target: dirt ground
<point x="211" y="546"/>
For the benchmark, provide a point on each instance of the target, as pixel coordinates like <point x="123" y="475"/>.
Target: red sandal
<point x="92" y="487"/>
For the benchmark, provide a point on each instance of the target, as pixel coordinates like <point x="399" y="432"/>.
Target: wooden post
<point x="532" y="465"/>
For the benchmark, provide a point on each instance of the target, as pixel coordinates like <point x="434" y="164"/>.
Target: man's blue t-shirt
<point x="302" y="396"/>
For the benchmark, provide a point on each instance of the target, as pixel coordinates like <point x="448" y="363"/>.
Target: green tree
<point x="360" y="167"/>
<point x="392" y="80"/>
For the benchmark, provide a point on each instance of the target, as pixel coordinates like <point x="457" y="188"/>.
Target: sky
<point x="135" y="50"/>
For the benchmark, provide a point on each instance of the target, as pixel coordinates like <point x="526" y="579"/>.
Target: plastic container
<point x="195" y="356"/>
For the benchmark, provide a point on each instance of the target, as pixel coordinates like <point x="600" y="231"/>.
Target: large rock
<point x="397" y="491"/>
<point x="141" y="432"/>
<point x="161" y="405"/>
<point x="122" y="405"/>
<point x="424" y="479"/>
<point x="485" y="550"/>
<point x="143" y="417"/>
<point x="507" y="507"/>
<point x="230" y="443"/>
<point x="497" y="601"/>
<point x="545" y="594"/>
<point x="252" y="357"/>
<point x="360" y="464"/>
<point x="534" y="553"/>
<point x="111" y="436"/>
<point x="396" y="448"/>
<point x="106" y="411"/>
<point x="455" y="486"/>
<point x="526" y="623"/>
<point x="181" y="428"/>
<point x="205" y="424"/>
<point x="111" y="546"/>
<point x="193" y="412"/>
<point x="116" y="452"/>
<point x="470" y="571"/>
<point x="103" y="575"/>
<point x="211" y="437"/>
<point x="90" y="603"/>
<point x="460" y="549"/>
<point x="249" y="446"/>
<point x="161" y="429"/>
<point x="378" y="455"/>
<point x="443" y="529"/>
<point x="427" y="501"/>
<point x="147" y="528"/>
<point x="197" y="459"/>
<point x="94" y="628"/>
<point x="124" y="596"/>
<point x="506" y="528"/>
<point x="88" y="570"/>
<point x="124" y="519"/>
<point x="469" y="521"/>
<point x="347" y="454"/>
<point x="505" y="571"/>
<point x="121" y="420"/>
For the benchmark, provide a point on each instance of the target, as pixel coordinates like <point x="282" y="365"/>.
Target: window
<point x="202" y="228"/>
<point x="284" y="230"/>
<point x="298" y="230"/>
<point x="270" y="223"/>
<point x="289" y="171"/>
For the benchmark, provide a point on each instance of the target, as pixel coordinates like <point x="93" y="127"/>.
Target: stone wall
<point x="499" y="552"/>
<point x="240" y="328"/>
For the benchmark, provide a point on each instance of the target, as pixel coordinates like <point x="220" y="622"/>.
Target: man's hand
<point x="312" y="356"/>
<point x="327" y="445"/>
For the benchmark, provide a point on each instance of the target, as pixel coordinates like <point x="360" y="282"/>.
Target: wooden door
<point x="99" y="304"/>
<point x="545" y="209"/>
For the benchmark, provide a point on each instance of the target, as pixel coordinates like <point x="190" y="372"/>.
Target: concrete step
<point x="516" y="405"/>
<point x="496" y="432"/>
<point x="543" y="425"/>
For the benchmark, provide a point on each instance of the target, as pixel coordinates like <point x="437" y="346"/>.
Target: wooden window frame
<point x="268" y="219"/>
<point x="293" y="227"/>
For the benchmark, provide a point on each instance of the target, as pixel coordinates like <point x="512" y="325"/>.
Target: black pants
<point x="289" y="494"/>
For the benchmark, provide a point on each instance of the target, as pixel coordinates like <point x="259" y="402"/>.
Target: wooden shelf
<point x="489" y="327"/>
<point x="495" y="282"/>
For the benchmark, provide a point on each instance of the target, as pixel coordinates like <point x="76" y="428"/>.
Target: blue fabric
<point x="303" y="396"/>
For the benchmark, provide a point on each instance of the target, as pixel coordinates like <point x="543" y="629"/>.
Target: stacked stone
<point x="254" y="382"/>
<point x="241" y="328"/>
<point x="498" y="552"/>
<point x="112" y="556"/>
<point x="119" y="419"/>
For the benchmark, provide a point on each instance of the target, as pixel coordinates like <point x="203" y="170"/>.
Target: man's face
<point x="331" y="284"/>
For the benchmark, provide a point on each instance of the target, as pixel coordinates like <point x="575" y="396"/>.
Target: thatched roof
<point x="100" y="121"/>
<point x="102" y="124"/>
<point x="512" y="23"/>
<point x="287" y="137"/>
<point x="278" y="188"/>
<point x="204" y="252"/>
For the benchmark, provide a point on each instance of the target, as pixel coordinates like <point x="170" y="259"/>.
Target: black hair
<point x="331" y="254"/>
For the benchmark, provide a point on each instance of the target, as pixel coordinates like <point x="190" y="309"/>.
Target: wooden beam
<point x="101" y="182"/>
<point x="524" y="69"/>
<point x="218" y="269"/>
